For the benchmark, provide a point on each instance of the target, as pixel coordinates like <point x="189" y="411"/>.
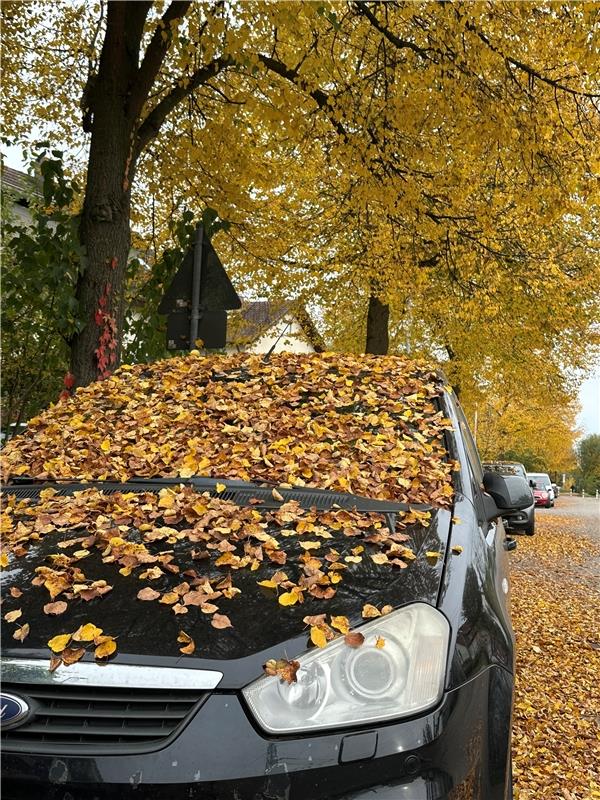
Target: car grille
<point x="106" y="718"/>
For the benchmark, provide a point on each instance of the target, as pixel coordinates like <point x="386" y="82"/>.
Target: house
<point x="264" y="324"/>
<point x="17" y="188"/>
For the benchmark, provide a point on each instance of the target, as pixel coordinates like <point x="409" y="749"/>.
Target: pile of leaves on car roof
<point x="370" y="426"/>
<point x="361" y="424"/>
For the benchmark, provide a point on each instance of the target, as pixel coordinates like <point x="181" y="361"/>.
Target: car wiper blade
<point x="237" y="491"/>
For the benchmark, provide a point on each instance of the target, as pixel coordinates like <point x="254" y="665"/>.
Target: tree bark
<point x="105" y="223"/>
<point x="378" y="317"/>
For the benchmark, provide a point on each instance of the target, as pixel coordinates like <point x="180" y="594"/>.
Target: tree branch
<point x="320" y="97"/>
<point x="151" y="125"/>
<point x="155" y="54"/>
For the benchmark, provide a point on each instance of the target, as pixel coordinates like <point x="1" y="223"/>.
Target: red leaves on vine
<point x="106" y="352"/>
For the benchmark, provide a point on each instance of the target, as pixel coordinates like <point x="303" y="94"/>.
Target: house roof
<point x="256" y="317"/>
<point x="17" y="182"/>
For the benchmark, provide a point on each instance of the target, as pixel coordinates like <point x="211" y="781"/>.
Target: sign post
<point x="198" y="298"/>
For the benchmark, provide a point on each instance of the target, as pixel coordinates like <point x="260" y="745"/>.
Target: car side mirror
<point x="509" y="492"/>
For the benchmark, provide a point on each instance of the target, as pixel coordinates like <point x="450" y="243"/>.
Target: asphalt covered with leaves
<point x="556" y="602"/>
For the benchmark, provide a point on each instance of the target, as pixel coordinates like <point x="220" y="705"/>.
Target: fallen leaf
<point x="87" y="633"/>
<point x="369" y="611"/>
<point x="105" y="649"/>
<point x="147" y="593"/>
<point x="56" y="608"/>
<point x="11" y="616"/>
<point x="341" y="624"/>
<point x="22" y="632"/>
<point x="71" y="655"/>
<point x="221" y="621"/>
<point x="318" y="636"/>
<point x="354" y="639"/>
<point x="284" y="669"/>
<point x="379" y="642"/>
<point x="58" y="643"/>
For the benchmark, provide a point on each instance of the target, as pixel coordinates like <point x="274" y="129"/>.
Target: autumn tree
<point x="588" y="462"/>
<point x="447" y="150"/>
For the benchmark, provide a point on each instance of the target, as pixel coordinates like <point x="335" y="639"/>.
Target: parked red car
<point x="542" y="489"/>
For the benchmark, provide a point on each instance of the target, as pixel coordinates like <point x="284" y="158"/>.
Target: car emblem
<point x="13" y="710"/>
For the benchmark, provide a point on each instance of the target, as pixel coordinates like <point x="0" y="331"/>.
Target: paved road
<point x="586" y="509"/>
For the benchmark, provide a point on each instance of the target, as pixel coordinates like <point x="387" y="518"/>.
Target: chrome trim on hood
<point x="30" y="670"/>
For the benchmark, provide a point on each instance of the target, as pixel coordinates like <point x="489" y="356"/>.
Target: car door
<point x="493" y="532"/>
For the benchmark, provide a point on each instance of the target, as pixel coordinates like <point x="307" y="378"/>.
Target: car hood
<point x="147" y="632"/>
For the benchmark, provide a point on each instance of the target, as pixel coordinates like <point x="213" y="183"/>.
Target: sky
<point x="588" y="420"/>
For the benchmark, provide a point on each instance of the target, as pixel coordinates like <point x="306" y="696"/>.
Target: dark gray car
<point x="519" y="521"/>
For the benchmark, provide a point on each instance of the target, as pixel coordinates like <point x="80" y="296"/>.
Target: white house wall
<point x="287" y="333"/>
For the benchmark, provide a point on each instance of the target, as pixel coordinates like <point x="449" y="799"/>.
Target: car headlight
<point x="340" y="685"/>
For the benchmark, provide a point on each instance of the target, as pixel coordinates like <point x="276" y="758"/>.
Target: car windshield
<point x="506" y="469"/>
<point x="540" y="481"/>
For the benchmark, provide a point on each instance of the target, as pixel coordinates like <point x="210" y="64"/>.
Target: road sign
<point x="197" y="299"/>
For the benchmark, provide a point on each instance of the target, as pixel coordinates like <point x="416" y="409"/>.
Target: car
<point x="245" y="577"/>
<point x="520" y="521"/>
<point x="542" y="489"/>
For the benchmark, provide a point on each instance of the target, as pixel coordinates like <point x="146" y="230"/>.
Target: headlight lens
<point x="340" y="685"/>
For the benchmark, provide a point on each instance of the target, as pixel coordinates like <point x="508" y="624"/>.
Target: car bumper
<point x="459" y="750"/>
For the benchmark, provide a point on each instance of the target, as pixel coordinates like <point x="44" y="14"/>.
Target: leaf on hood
<point x="341" y="624"/>
<point x="71" y="655"/>
<point x="221" y="621"/>
<point x="59" y="607"/>
<point x="58" y="643"/>
<point x="105" y="648"/>
<point x="11" y="616"/>
<point x="87" y="633"/>
<point x="318" y="636"/>
<point x="283" y="669"/>
<point x="147" y="593"/>
<point x="22" y="632"/>
<point x="189" y="644"/>
<point x="370" y="612"/>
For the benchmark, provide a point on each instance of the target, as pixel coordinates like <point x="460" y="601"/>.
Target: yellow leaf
<point x="267" y="584"/>
<point x="310" y="545"/>
<point x="13" y="615"/>
<point x="4" y="560"/>
<point x="380" y="642"/>
<point x="87" y="633"/>
<point x="58" y="643"/>
<point x="288" y="598"/>
<point x="370" y="612"/>
<point x="317" y="636"/>
<point x="105" y="649"/>
<point x="220" y="487"/>
<point x="341" y="624"/>
<point x="456" y="548"/>
<point x="105" y="446"/>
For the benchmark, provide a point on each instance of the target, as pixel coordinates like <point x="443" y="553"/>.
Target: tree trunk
<point x="378" y="317"/>
<point x="105" y="230"/>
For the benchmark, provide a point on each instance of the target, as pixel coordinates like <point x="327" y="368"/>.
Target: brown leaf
<point x="15" y="592"/>
<point x="147" y="593"/>
<point x="56" y="608"/>
<point x="22" y="632"/>
<point x="221" y="621"/>
<point x="354" y="639"/>
<point x="71" y="655"/>
<point x="11" y="616"/>
<point x="284" y="669"/>
<point x="189" y="644"/>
